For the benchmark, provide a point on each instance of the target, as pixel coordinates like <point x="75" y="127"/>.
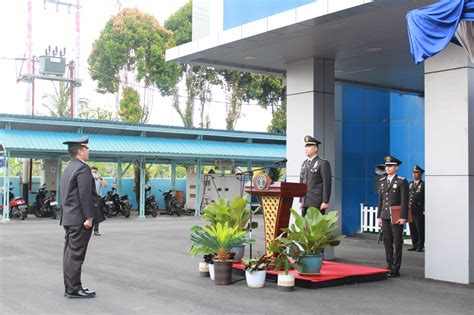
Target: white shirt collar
<point x="311" y="159"/>
<point x="390" y="177"/>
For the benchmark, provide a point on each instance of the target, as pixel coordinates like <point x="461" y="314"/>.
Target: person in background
<point x="99" y="183"/>
<point x="417" y="205"/>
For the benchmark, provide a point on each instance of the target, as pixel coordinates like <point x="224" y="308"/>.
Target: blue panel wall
<point x="127" y="188"/>
<point x="375" y="123"/>
<point x="238" y="12"/>
<point x="407" y="131"/>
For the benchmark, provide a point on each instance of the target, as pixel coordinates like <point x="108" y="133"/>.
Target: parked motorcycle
<point x="171" y="203"/>
<point x="107" y="205"/>
<point x="151" y="206"/>
<point x="45" y="206"/>
<point x="121" y="204"/>
<point x="18" y="206"/>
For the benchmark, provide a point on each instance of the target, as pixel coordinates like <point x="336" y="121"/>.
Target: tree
<point x="131" y="49"/>
<point x="58" y="103"/>
<point x="98" y="113"/>
<point x="130" y="109"/>
<point x="278" y="123"/>
<point x="198" y="80"/>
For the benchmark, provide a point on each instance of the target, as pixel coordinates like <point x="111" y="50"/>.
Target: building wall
<point x="238" y="12"/>
<point x="375" y="123"/>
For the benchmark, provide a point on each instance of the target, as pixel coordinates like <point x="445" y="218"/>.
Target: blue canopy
<point x="431" y="28"/>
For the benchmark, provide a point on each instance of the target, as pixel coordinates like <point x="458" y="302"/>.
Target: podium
<point x="277" y="199"/>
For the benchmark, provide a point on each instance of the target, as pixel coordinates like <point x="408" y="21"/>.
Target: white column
<point x="142" y="189"/>
<point x="311" y="111"/>
<point x="449" y="195"/>
<point x="198" y="187"/>
<point x="6" y="189"/>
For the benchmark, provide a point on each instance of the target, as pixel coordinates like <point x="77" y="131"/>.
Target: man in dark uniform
<point x="393" y="196"/>
<point x="417" y="205"/>
<point x="79" y="210"/>
<point x="316" y="174"/>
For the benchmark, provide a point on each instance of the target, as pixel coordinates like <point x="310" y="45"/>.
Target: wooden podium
<point x="277" y="199"/>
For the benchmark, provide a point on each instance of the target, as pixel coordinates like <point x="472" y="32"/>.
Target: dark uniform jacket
<point x="317" y="176"/>
<point x="79" y="199"/>
<point x="417" y="197"/>
<point x="395" y="194"/>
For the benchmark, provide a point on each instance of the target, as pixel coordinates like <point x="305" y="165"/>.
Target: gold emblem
<point x="388" y="159"/>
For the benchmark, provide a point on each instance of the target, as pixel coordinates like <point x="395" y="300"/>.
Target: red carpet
<point x="332" y="273"/>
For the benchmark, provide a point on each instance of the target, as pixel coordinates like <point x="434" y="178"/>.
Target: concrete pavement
<point x="142" y="266"/>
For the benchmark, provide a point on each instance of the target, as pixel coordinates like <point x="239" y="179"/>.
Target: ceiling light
<point x="250" y="57"/>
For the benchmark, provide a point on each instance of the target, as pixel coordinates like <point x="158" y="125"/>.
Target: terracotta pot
<point x="223" y="272"/>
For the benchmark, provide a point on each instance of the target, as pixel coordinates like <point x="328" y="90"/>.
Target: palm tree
<point x="59" y="103"/>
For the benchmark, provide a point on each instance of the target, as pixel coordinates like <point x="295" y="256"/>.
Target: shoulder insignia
<point x="401" y="177"/>
<point x="383" y="178"/>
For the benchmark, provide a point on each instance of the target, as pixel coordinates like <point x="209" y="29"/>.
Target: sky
<point x="55" y="26"/>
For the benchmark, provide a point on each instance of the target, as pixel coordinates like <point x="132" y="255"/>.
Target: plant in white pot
<point x="235" y="213"/>
<point x="256" y="271"/>
<point x="283" y="249"/>
<point x="218" y="239"/>
<point x="312" y="233"/>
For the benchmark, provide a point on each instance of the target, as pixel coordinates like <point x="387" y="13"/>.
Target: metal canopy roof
<point x="42" y="137"/>
<point x="367" y="39"/>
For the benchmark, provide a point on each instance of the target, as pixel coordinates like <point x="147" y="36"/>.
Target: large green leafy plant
<point x="235" y="213"/>
<point x="218" y="239"/>
<point x="314" y="232"/>
<point x="284" y="252"/>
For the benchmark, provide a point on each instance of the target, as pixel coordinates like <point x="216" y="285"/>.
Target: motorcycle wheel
<point x="24" y="215"/>
<point x="126" y="211"/>
<point x="37" y="210"/>
<point x="54" y="214"/>
<point x="177" y="210"/>
<point x="154" y="209"/>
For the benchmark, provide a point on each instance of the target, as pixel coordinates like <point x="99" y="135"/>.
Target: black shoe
<point x="393" y="274"/>
<point x="412" y="249"/>
<point x="84" y="289"/>
<point x="81" y="294"/>
<point x="420" y="249"/>
<point x="96" y="233"/>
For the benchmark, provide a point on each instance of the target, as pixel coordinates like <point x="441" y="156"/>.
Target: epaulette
<point x="383" y="178"/>
<point x="401" y="177"/>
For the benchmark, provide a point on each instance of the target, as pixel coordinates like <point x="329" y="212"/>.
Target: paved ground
<point x="142" y="266"/>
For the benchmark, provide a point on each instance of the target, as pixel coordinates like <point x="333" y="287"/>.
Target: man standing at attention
<point x="79" y="210"/>
<point x="417" y="205"/>
<point x="392" y="213"/>
<point x="99" y="183"/>
<point x="316" y="174"/>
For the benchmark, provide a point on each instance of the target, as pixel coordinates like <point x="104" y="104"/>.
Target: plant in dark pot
<point x="312" y="233"/>
<point x="256" y="270"/>
<point x="235" y="213"/>
<point x="284" y="250"/>
<point x="219" y="239"/>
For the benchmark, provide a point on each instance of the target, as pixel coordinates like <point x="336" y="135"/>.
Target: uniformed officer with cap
<point x="416" y="203"/>
<point x="393" y="191"/>
<point x="316" y="174"/>
<point x="79" y="210"/>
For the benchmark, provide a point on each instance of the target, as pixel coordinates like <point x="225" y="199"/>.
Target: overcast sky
<point x="56" y="27"/>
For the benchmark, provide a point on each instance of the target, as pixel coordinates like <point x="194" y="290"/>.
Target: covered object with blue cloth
<point x="432" y="28"/>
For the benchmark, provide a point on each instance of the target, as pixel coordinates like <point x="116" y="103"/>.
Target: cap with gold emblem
<point x="82" y="142"/>
<point x="417" y="168"/>
<point x="311" y="141"/>
<point x="391" y="160"/>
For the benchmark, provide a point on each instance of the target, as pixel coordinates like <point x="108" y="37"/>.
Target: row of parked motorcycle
<point x="112" y="204"/>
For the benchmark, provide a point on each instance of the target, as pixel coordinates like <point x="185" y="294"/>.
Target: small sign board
<point x="225" y="165"/>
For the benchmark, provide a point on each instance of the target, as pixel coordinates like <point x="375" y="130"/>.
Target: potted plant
<point x="283" y="249"/>
<point x="218" y="239"/>
<point x="256" y="271"/>
<point x="235" y="213"/>
<point x="312" y="233"/>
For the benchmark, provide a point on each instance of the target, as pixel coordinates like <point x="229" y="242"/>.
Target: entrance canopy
<point x="367" y="40"/>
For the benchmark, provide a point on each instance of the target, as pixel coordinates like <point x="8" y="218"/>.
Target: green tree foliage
<point x="132" y="43"/>
<point x="88" y="112"/>
<point x="58" y="103"/>
<point x="198" y="80"/>
<point x="130" y="109"/>
<point x="278" y="123"/>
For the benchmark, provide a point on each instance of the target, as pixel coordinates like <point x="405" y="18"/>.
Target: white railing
<point x="368" y="220"/>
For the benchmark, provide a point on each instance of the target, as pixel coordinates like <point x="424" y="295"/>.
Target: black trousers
<point x="75" y="247"/>
<point x="393" y="242"/>
<point x="419" y="223"/>
<point x="414" y="234"/>
<point x="304" y="209"/>
<point x="96" y="227"/>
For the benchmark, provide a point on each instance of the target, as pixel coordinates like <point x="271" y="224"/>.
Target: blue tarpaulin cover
<point x="431" y="28"/>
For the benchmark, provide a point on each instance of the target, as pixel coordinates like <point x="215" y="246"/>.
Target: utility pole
<point x="71" y="85"/>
